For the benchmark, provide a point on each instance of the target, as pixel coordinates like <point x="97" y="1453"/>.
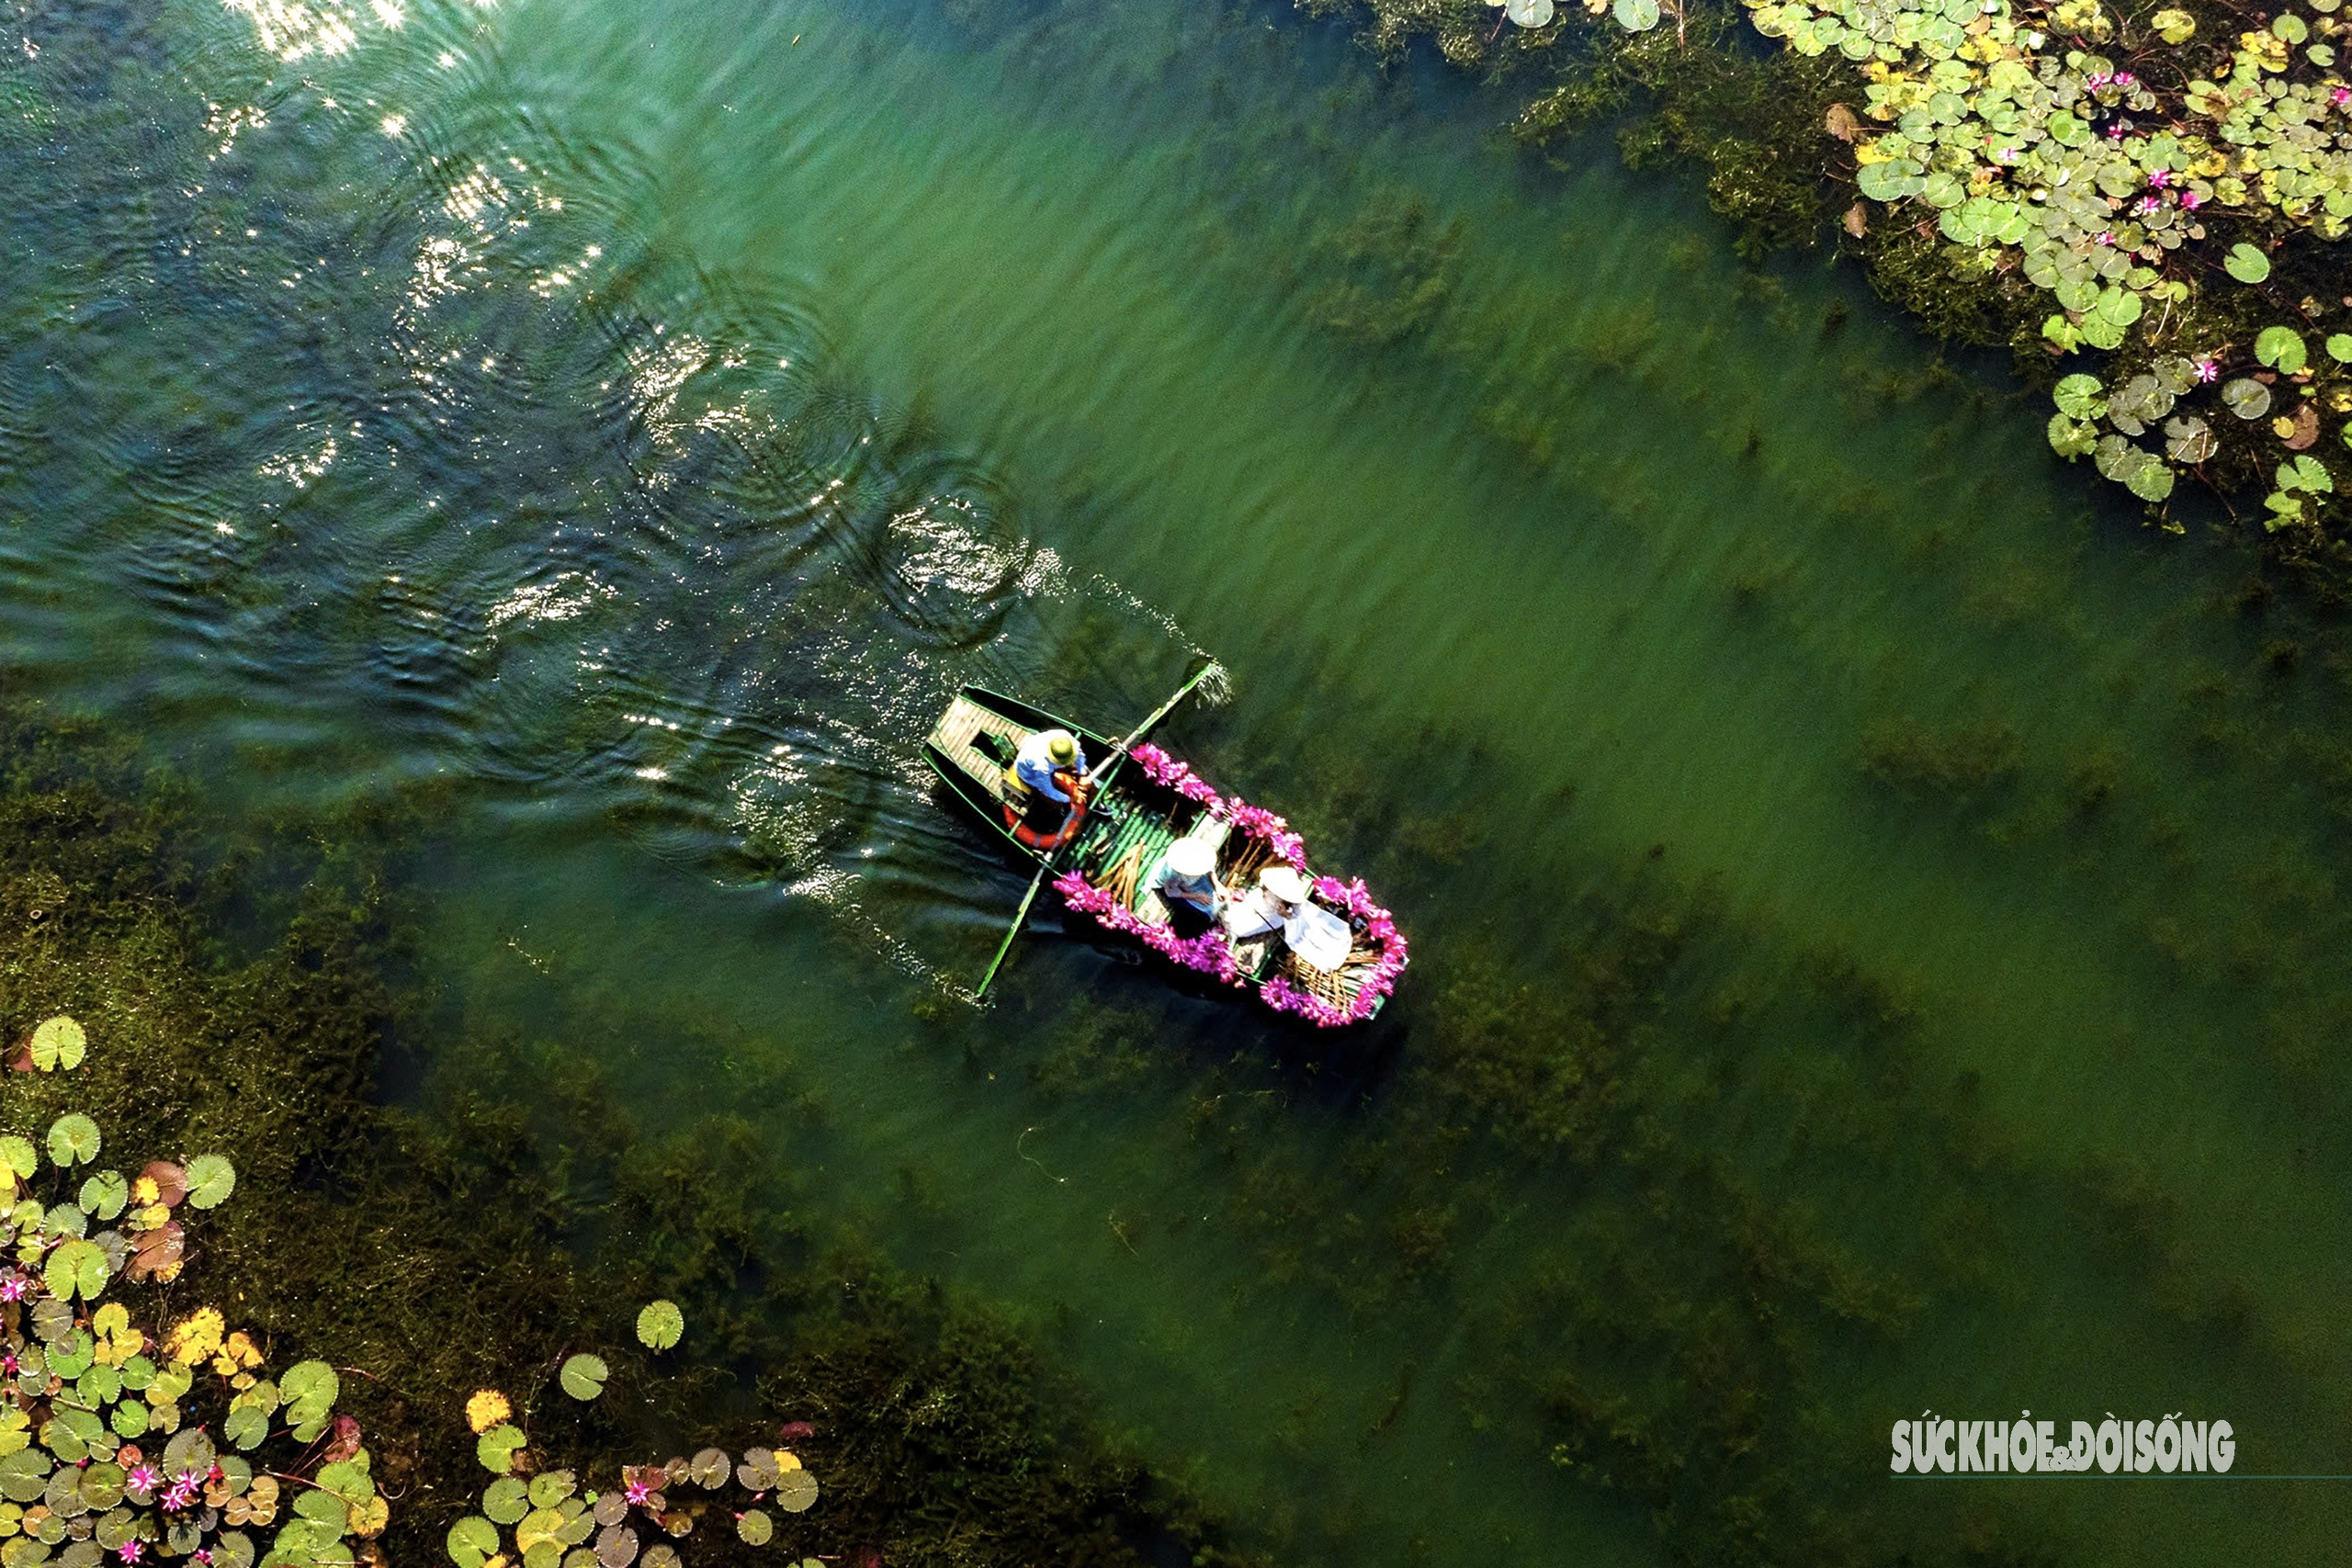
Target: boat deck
<point x="958" y="735"/>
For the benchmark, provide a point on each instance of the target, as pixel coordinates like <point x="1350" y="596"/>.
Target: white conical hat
<point x="1283" y="883"/>
<point x="1190" y="858"/>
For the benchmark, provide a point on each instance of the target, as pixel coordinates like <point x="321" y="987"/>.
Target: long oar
<point x="1046" y="864"/>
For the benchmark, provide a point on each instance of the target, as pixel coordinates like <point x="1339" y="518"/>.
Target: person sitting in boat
<point x="1049" y="772"/>
<point x="1187" y="885"/>
<point x="1279" y="897"/>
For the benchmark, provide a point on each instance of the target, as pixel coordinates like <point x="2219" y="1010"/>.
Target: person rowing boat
<point x="1046" y="783"/>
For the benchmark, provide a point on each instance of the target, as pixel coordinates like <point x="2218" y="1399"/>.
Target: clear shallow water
<point x="640" y="427"/>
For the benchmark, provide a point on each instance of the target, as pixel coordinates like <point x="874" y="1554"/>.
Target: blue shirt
<point x="1036" y="769"/>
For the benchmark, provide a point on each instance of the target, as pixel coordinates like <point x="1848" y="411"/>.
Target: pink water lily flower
<point x="2123" y="79"/>
<point x="12" y="1287"/>
<point x="2160" y="178"/>
<point x="639" y="1491"/>
<point x="2190" y="201"/>
<point x="141" y="1479"/>
<point x="2146" y="205"/>
<point x="2205" y="369"/>
<point x="131" y="1551"/>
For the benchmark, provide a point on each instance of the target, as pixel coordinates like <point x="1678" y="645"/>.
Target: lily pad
<point x="2281" y="348"/>
<point x="2308" y="474"/>
<point x="795" y="1492"/>
<point x="77" y="1268"/>
<point x="755" y="1527"/>
<point x="506" y="1500"/>
<point x="59" y="1043"/>
<point x="210" y="1180"/>
<point x="245" y="1427"/>
<point x="473" y="1541"/>
<point x="1889" y="181"/>
<point x="660" y="1325"/>
<point x="710" y="1469"/>
<point x="583" y="1376"/>
<point x="2246" y="398"/>
<point x="495" y="1449"/>
<point x="550" y="1487"/>
<point x="327" y="1513"/>
<point x="2151" y="481"/>
<point x="759" y="1469"/>
<point x="2077" y="397"/>
<point x="2188" y="439"/>
<point x="2071" y="439"/>
<point x="73" y="1140"/>
<point x="2339" y="347"/>
<point x="1635" y="15"/>
<point x="616" y="1546"/>
<point x="2245" y="263"/>
<point x="104" y="1195"/>
<point x="19" y="1155"/>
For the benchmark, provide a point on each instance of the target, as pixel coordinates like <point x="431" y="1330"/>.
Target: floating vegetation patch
<point x="123" y="1435"/>
<point x="2151" y="198"/>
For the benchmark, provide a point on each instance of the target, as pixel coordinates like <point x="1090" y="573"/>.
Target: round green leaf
<point x="583" y="1376"/>
<point x="73" y="1140"/>
<point x="1529" y="13"/>
<point x="104" y="1195"/>
<point x="2245" y="263"/>
<point x="1635" y="15"/>
<point x="2339" y="347"/>
<point x="102" y="1486"/>
<point x="2077" y="397"/>
<point x="19" y="1155"/>
<point x="2246" y="398"/>
<point x="99" y="1385"/>
<point x="2071" y="440"/>
<point x="210" y="1180"/>
<point x="755" y="1527"/>
<point x="550" y="1487"/>
<point x="506" y="1500"/>
<point x="245" y="1427"/>
<point x="59" y="1043"/>
<point x="348" y="1479"/>
<point x="129" y="1419"/>
<point x="328" y="1513"/>
<point x="309" y="1390"/>
<point x="2150" y="481"/>
<point x="2306" y="473"/>
<point x="2281" y="348"/>
<point x="77" y="1268"/>
<point x="495" y="1449"/>
<point x="660" y="1325"/>
<point x="795" y="1492"/>
<point x="473" y="1541"/>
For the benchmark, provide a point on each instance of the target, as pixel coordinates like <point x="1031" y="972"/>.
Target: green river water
<point x="630" y="424"/>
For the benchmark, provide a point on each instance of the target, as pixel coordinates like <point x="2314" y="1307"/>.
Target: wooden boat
<point x="1107" y="866"/>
